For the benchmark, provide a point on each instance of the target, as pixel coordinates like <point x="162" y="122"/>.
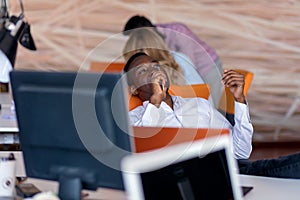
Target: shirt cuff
<point x="241" y="111"/>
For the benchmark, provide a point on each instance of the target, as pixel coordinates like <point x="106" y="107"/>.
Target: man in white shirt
<point x="148" y="80"/>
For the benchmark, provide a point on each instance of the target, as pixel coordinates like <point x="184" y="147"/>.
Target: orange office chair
<point x="188" y="91"/>
<point x="227" y="99"/>
<point x="106" y="66"/>
<point x="226" y="104"/>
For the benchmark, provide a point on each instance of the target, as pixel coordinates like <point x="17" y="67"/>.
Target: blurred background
<point x="259" y="36"/>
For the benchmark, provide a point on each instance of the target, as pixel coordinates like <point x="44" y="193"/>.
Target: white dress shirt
<point x="198" y="113"/>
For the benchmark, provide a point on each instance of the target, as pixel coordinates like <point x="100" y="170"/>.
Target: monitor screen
<point x="72" y="126"/>
<point x="197" y="178"/>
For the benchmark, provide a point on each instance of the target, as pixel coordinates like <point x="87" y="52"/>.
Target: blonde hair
<point x="147" y="40"/>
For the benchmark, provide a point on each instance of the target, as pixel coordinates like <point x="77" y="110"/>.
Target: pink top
<point x="180" y="38"/>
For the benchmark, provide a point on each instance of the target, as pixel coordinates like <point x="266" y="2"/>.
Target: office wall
<point x="259" y="35"/>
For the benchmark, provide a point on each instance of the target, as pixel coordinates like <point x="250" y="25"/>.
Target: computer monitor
<point x="204" y="169"/>
<point x="73" y="127"/>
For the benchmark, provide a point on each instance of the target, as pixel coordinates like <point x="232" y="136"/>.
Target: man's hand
<point x="235" y="82"/>
<point x="159" y="89"/>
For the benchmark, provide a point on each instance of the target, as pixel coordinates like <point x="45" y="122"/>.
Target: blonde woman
<point x="149" y="41"/>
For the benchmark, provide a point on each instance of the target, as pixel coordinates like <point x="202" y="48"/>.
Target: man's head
<point x="144" y="74"/>
<point x="136" y="21"/>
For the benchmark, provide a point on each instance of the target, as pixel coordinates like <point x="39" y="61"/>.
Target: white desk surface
<point x="264" y="188"/>
<point x="271" y="188"/>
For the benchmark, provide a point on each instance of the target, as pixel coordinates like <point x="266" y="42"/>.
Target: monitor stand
<point x="69" y="187"/>
<point x="72" y="180"/>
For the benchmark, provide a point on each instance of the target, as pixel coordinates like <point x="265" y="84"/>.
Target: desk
<point x="271" y="188"/>
<point x="100" y="194"/>
<point x="264" y="188"/>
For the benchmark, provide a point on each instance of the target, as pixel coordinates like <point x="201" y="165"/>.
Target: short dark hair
<point x="132" y="58"/>
<point x="136" y="21"/>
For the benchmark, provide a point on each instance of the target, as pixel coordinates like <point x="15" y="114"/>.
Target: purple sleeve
<point x="180" y="38"/>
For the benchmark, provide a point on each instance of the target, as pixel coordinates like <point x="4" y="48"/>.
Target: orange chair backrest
<point x="189" y="91"/>
<point x="150" y="138"/>
<point x="106" y="67"/>
<point x="185" y="91"/>
<point x="227" y="99"/>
